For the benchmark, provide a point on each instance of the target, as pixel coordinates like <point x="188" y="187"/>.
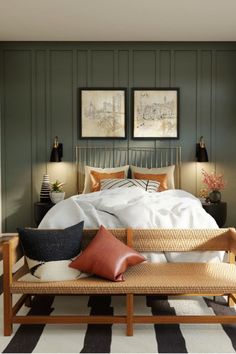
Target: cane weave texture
<point x="181" y="240"/>
<point x="146" y="278"/>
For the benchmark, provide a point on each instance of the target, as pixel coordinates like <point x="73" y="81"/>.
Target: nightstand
<point x="41" y="209"/>
<point x="218" y="211"/>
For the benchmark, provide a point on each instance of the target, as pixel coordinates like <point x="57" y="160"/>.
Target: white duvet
<point x="136" y="208"/>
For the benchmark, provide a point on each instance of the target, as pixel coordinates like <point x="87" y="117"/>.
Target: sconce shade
<point x="57" y="151"/>
<point x="201" y="151"/>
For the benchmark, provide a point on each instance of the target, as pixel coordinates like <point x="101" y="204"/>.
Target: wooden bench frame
<point x="219" y="239"/>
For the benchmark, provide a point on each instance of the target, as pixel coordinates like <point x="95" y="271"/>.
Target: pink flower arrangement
<point x="213" y="181"/>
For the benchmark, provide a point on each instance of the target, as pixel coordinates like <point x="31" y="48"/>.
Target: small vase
<point x="45" y="190"/>
<point x="215" y="197"/>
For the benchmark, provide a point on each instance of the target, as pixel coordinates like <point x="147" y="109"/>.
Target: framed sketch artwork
<point x="102" y="113"/>
<point x="155" y="113"/>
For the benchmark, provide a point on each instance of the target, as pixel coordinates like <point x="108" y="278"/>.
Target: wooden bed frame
<point x="106" y="157"/>
<point x="188" y="279"/>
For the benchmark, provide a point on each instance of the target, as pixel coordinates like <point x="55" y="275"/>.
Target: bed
<point x="113" y="157"/>
<point x="133" y="207"/>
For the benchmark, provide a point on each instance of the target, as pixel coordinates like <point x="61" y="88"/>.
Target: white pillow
<point x="155" y="257"/>
<point x="169" y="170"/>
<point x="53" y="271"/>
<point x="146" y="184"/>
<point x="87" y="179"/>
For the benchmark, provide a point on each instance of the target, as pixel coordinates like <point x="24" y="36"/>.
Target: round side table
<point x="218" y="211"/>
<point x="41" y="209"/>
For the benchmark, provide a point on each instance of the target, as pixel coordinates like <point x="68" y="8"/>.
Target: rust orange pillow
<point x="106" y="257"/>
<point x="97" y="176"/>
<point x="161" y="178"/>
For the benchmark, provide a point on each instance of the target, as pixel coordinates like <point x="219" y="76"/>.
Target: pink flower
<point x="213" y="181"/>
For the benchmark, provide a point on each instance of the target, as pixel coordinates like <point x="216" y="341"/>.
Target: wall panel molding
<point x="39" y="89"/>
<point x="18" y="138"/>
<point x="1" y="125"/>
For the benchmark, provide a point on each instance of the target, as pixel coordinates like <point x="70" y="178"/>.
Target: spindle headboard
<point x="105" y="157"/>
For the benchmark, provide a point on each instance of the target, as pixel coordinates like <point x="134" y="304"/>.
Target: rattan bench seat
<point x="146" y="278"/>
<point x="187" y="279"/>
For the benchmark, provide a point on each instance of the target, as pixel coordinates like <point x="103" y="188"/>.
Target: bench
<point x="195" y="279"/>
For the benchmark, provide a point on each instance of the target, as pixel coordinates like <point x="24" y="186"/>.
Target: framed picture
<point x="155" y="113"/>
<point x="102" y="113"/>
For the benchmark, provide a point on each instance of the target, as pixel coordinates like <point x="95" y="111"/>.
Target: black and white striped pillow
<point x="49" y="252"/>
<point x="146" y="184"/>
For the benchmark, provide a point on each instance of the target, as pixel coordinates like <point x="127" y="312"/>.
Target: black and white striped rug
<point x="111" y="338"/>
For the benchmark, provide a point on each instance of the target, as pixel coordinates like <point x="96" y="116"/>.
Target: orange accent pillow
<point x="97" y="176"/>
<point x="107" y="257"/>
<point x="161" y="178"/>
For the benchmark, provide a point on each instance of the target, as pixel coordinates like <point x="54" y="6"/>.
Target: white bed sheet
<point x="136" y="208"/>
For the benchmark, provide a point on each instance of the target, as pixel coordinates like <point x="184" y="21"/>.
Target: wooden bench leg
<point x="7" y="295"/>
<point x="129" y="313"/>
<point x="231" y="300"/>
<point x="28" y="301"/>
<point x="7" y="314"/>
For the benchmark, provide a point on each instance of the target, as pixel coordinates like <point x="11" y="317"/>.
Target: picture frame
<point x="155" y="113"/>
<point x="102" y="113"/>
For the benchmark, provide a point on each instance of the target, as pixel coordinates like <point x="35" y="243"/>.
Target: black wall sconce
<point x="57" y="151"/>
<point x="201" y="151"/>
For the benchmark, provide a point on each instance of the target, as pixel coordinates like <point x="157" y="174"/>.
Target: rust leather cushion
<point x="106" y="257"/>
<point x="161" y="178"/>
<point x="96" y="177"/>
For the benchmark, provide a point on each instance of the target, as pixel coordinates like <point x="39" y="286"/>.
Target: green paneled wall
<point x="39" y="87"/>
<point x="17" y="119"/>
